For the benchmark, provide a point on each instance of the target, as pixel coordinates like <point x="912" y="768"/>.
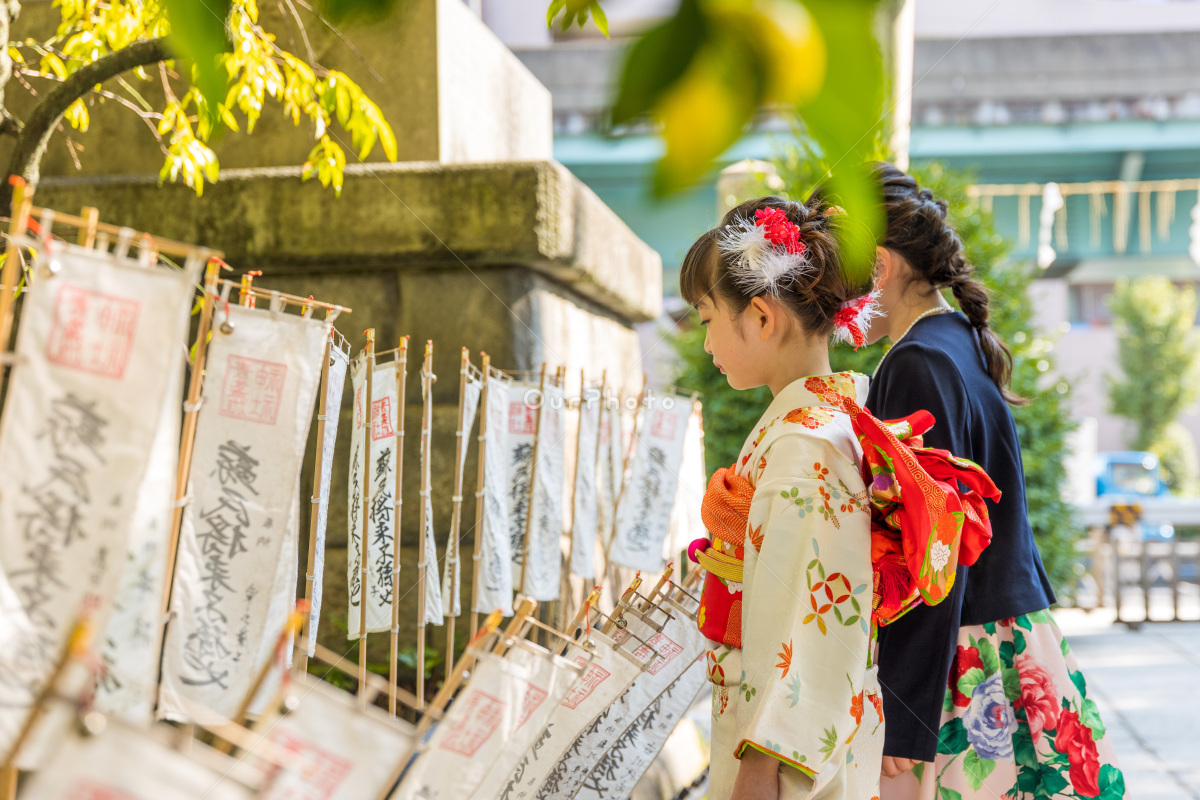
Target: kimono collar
<point x="802" y="392"/>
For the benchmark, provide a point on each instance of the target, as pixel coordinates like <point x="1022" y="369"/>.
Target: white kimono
<point x="803" y="687"/>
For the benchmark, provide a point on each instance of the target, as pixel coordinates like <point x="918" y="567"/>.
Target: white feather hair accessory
<point x="853" y="319"/>
<point x="765" y="254"/>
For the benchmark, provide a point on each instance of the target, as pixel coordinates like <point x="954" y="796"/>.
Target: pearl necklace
<point x="923" y="315"/>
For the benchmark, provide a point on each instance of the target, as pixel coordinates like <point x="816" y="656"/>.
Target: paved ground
<point x="1147" y="685"/>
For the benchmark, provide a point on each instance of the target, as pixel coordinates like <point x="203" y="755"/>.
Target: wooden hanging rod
<point x="293" y="299"/>
<point x="91" y="224"/>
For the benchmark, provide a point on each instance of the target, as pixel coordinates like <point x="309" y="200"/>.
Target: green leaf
<point x="1066" y="648"/>
<point x="1112" y="783"/>
<point x="1022" y="621"/>
<point x="948" y="701"/>
<point x="970" y="679"/>
<point x="919" y="770"/>
<point x="952" y="738"/>
<point x="1080" y="682"/>
<point x="600" y="18"/>
<point x="658" y="60"/>
<point x="1024" y="751"/>
<point x="1012" y="684"/>
<point x="1019" y="641"/>
<point x="553" y="10"/>
<point x="977" y="769"/>
<point x="199" y="34"/>
<point x="946" y="793"/>
<point x="987" y="654"/>
<point x="1007" y="652"/>
<point x="1041" y="616"/>
<point x="1090" y="716"/>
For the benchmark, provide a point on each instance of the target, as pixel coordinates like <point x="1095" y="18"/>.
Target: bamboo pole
<point x="315" y="501"/>
<point x="246" y="295"/>
<point x="516" y="626"/>
<point x="622" y="604"/>
<point x="86" y="237"/>
<point x="191" y="417"/>
<point x="10" y="276"/>
<point x="537" y="431"/>
<point x="480" y="483"/>
<point x="369" y="419"/>
<point x="612" y="534"/>
<point x="456" y="500"/>
<point x="427" y="379"/>
<point x="663" y="580"/>
<point x="401" y="366"/>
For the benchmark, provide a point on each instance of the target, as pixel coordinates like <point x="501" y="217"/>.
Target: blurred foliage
<point x="705" y="72"/>
<point x="1157" y="350"/>
<point x="236" y="68"/>
<point x="1043" y="426"/>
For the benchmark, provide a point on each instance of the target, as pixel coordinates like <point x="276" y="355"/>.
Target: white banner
<point x="585" y="519"/>
<point x="644" y="516"/>
<point x="611" y="467"/>
<point x="131" y="644"/>
<point x="339" y="361"/>
<point x="433" y="585"/>
<point x="123" y="763"/>
<point x="381" y="510"/>
<point x="489" y="726"/>
<point x="544" y="572"/>
<point x="452" y="568"/>
<point x="494" y="587"/>
<point x="520" y="429"/>
<point x="97" y="352"/>
<point x="604" y="679"/>
<point x="237" y="551"/>
<point x="342" y="752"/>
<point x="615" y="777"/>
<point x="679" y="644"/>
<point x="686" y="524"/>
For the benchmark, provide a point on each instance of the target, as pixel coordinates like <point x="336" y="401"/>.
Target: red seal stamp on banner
<point x="381" y="419"/>
<point x="86" y="789"/>
<point x="480" y="717"/>
<point x="317" y="773"/>
<point x="253" y="390"/>
<point x="587" y="683"/>
<point x="92" y="332"/>
<point x="662" y="424"/>
<point x="665" y="647"/>
<point x="534" y="695"/>
<point x="521" y="418"/>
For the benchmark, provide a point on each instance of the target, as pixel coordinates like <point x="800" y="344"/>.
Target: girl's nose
<point x="707" y="349"/>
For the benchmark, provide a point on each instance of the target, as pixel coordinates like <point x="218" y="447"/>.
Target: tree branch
<point x="40" y="124"/>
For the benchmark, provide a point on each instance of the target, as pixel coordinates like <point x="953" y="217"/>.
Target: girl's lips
<point x="722" y="369"/>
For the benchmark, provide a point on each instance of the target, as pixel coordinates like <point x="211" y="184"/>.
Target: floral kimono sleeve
<point x="807" y="595"/>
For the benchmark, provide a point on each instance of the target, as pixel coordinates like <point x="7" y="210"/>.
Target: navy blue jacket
<point x="939" y="367"/>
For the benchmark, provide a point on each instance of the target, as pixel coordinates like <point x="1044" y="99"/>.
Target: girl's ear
<point x="883" y="266"/>
<point x="763" y="317"/>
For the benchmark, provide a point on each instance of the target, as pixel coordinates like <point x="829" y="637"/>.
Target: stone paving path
<point x="1147" y="685"/>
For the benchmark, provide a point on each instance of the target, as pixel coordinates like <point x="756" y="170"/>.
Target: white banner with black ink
<point x="677" y="646"/>
<point x="433" y="585"/>
<point x="452" y="568"/>
<point x="341" y="752"/>
<point x="490" y="725"/>
<point x="605" y="678"/>
<point x="523" y="403"/>
<point x="585" y="519"/>
<point x="686" y="525"/>
<point x="611" y="469"/>
<point x="615" y="777"/>
<point x="380" y="466"/>
<point x="339" y="361"/>
<point x="237" y="551"/>
<point x="124" y="763"/>
<point x="97" y="352"/>
<point x="544" y="571"/>
<point x="644" y="515"/>
<point x="493" y="572"/>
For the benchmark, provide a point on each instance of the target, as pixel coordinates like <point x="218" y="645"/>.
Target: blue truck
<point x="1128" y="476"/>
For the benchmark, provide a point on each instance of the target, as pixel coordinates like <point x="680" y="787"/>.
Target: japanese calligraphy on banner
<point x="585" y="519"/>
<point x="632" y="753"/>
<point x="604" y="679"/>
<point x="237" y="551"/>
<point x="677" y="646"/>
<point x="123" y="763"/>
<point x="97" y="354"/>
<point x="342" y="752"/>
<point x="504" y="707"/>
<point x="494" y="587"/>
<point x="130" y="644"/>
<point x="381" y="506"/>
<point x="544" y="571"/>
<point x="452" y="569"/>
<point x="339" y="361"/>
<point x="686" y="525"/>
<point x="644" y="515"/>
<point x="433" y="587"/>
<point x="519" y="427"/>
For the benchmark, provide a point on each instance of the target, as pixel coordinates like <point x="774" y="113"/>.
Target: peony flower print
<point x="1074" y="740"/>
<point x="939" y="554"/>
<point x="989" y="721"/>
<point x="1039" y="696"/>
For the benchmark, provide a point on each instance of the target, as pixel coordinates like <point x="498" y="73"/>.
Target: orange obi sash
<point x="928" y="515"/>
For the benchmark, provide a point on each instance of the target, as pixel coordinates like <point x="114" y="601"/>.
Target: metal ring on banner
<point x="226" y="326"/>
<point x="124" y="239"/>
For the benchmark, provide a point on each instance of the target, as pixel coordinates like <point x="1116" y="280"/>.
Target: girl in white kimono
<point x="796" y="708"/>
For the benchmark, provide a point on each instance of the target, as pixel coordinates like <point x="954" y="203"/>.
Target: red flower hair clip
<point x="779" y="230"/>
<point x="765" y="253"/>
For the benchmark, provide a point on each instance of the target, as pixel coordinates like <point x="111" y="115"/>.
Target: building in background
<point x="1024" y="93"/>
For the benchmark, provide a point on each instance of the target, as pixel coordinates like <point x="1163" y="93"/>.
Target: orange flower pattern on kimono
<point x="802" y="687"/>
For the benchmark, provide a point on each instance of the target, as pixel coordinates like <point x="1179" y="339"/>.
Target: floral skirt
<point x="1016" y="722"/>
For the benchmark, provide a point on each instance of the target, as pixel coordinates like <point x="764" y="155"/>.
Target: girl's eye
<point x="705" y="322"/>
